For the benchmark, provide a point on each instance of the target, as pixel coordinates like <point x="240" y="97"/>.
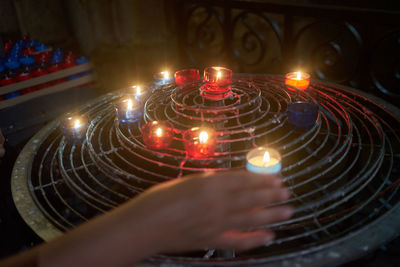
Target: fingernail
<point x="269" y="237"/>
<point x="285" y="193"/>
<point x="277" y="182"/>
<point x="288" y="212"/>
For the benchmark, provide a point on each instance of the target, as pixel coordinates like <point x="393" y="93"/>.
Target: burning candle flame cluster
<point x="199" y="142"/>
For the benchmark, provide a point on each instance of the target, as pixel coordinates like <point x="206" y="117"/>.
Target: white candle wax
<point x="264" y="160"/>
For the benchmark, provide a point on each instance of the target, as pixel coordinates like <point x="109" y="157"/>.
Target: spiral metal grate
<point x="343" y="172"/>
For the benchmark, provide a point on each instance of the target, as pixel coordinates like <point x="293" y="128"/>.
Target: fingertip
<point x="269" y="236"/>
<point x="276" y="182"/>
<point x="287" y="212"/>
<point x="285" y="193"/>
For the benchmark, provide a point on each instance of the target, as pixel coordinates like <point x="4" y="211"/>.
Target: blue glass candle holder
<point x="162" y="78"/>
<point x="302" y="114"/>
<point x="74" y="128"/>
<point x="129" y="110"/>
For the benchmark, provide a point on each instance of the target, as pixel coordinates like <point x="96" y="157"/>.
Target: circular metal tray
<point x="343" y="172"/>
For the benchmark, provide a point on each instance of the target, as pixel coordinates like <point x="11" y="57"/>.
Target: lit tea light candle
<point x="137" y="91"/>
<point x="217" y="83"/>
<point x="187" y="76"/>
<point x="299" y="80"/>
<point x="200" y="142"/>
<point x="129" y="110"/>
<point x="74" y="128"/>
<point x="263" y="160"/>
<point x="162" y="78"/>
<point x="157" y="134"/>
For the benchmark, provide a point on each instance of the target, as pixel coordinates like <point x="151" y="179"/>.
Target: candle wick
<point x="130" y="104"/>
<point x="203" y="137"/>
<point x="218" y="75"/>
<point x="266" y="157"/>
<point x="159" y="132"/>
<point x="166" y="75"/>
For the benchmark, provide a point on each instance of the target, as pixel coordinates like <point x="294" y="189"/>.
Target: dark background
<point x="354" y="42"/>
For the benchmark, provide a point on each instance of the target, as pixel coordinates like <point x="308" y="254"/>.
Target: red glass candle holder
<point x="157" y="134"/>
<point x="186" y="76"/>
<point x="299" y="80"/>
<point x="200" y="142"/>
<point x="217" y="83"/>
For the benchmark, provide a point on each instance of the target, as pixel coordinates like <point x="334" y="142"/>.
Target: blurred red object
<point x="28" y="51"/>
<point x="7" y="81"/>
<point x="187" y="76"/>
<point x="43" y="57"/>
<point x="24" y="76"/>
<point x="8" y="45"/>
<point x="28" y="90"/>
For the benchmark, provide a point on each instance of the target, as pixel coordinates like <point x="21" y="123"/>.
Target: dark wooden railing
<point x="352" y="46"/>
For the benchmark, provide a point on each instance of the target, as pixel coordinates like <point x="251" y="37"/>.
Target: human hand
<point x="2" y="150"/>
<point x="207" y="210"/>
<point x="212" y="210"/>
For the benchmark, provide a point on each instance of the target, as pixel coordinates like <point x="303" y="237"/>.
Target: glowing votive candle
<point x="299" y="80"/>
<point x="187" y="76"/>
<point x="157" y="134"/>
<point x="162" y="78"/>
<point x="129" y="110"/>
<point x="263" y="160"/>
<point x="217" y="83"/>
<point x="200" y="142"/>
<point x="138" y="91"/>
<point x="74" y="128"/>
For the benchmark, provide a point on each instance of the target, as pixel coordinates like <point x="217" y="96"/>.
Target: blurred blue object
<point x="302" y="114"/>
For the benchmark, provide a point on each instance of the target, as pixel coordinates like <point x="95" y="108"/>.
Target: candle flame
<point x="130" y="104"/>
<point x="218" y="75"/>
<point x="138" y="90"/>
<point x="203" y="137"/>
<point x="77" y="124"/>
<point x="159" y="132"/>
<point x="165" y="74"/>
<point x="266" y="157"/>
<point x="298" y="75"/>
